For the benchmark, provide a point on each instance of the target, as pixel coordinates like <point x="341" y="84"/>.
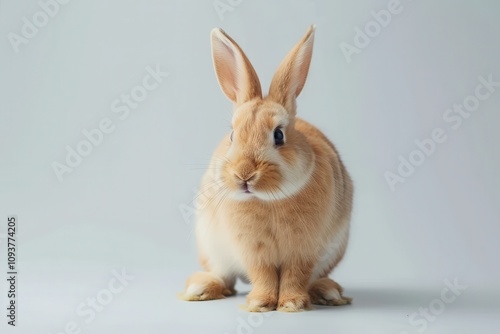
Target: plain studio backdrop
<point x="408" y="91"/>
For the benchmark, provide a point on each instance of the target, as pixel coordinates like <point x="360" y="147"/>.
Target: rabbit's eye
<point x="231" y="137"/>
<point x="279" y="137"/>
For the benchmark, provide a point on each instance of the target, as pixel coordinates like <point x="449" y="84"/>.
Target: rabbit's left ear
<point x="291" y="75"/>
<point x="235" y="73"/>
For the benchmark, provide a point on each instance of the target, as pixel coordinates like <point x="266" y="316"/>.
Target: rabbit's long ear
<point x="236" y="76"/>
<point x="291" y="75"/>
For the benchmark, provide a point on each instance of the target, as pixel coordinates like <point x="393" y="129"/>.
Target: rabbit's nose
<point x="245" y="178"/>
<point x="244" y="171"/>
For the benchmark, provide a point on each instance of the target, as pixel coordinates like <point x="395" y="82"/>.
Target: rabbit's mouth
<point x="246" y="188"/>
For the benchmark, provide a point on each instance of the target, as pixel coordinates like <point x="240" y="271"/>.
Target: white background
<point x="127" y="205"/>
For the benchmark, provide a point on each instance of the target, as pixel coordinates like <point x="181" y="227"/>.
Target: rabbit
<point x="279" y="197"/>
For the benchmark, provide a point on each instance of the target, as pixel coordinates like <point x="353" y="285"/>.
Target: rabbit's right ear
<point x="236" y="76"/>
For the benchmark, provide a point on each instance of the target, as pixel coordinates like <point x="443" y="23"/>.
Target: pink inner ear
<point x="235" y="74"/>
<point x="291" y="75"/>
<point x="225" y="64"/>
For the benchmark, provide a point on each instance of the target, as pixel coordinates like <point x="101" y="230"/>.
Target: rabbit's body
<point x="278" y="197"/>
<point x="279" y="232"/>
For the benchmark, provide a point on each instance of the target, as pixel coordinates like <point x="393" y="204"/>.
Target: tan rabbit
<point x="280" y="198"/>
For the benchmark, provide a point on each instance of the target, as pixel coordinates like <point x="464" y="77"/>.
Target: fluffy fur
<point x="275" y="215"/>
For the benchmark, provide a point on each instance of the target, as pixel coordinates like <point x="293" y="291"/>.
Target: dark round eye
<point x="231" y="137"/>
<point x="279" y="137"/>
